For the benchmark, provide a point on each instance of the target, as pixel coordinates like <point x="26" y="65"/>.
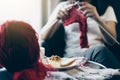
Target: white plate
<point x="90" y="64"/>
<point x="94" y="65"/>
<point x="57" y="64"/>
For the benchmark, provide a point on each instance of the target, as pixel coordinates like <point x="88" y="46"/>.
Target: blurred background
<point x="35" y="12"/>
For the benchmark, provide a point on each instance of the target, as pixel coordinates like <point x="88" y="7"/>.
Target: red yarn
<point x="77" y="16"/>
<point x="38" y="72"/>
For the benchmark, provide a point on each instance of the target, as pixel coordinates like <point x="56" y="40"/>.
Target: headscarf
<point x="19" y="51"/>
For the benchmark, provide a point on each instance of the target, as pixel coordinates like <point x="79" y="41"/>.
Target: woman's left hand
<point x="89" y="10"/>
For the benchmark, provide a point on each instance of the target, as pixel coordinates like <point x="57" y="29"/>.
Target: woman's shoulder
<point x="109" y="8"/>
<point x="109" y="14"/>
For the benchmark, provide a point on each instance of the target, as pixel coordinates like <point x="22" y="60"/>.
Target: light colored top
<point x="72" y="31"/>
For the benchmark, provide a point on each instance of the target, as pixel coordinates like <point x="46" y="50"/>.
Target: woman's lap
<point x="102" y="55"/>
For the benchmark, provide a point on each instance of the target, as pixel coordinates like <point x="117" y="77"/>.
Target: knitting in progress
<point x="77" y="16"/>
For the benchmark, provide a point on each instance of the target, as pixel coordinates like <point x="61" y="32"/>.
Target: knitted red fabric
<point x="77" y="16"/>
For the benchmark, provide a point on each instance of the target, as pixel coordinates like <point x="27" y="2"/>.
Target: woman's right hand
<point x="62" y="13"/>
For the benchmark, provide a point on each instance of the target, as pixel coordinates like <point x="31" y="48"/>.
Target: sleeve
<point x="109" y="15"/>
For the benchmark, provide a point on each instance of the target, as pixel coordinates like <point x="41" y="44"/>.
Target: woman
<point x="116" y="6"/>
<point x="19" y="51"/>
<point x="100" y="16"/>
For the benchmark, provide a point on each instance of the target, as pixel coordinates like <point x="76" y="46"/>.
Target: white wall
<point x="35" y="12"/>
<point x="25" y="10"/>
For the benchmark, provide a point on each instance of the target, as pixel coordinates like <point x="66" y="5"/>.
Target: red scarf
<point x="77" y="16"/>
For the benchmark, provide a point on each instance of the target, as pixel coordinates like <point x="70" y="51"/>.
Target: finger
<point x="68" y="8"/>
<point x="82" y="3"/>
<point x="66" y="11"/>
<point x="62" y="14"/>
<point x="83" y="8"/>
<point x="89" y="15"/>
<point x="87" y="12"/>
<point x="58" y="16"/>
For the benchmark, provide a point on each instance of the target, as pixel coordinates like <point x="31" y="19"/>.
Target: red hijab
<point x="19" y="51"/>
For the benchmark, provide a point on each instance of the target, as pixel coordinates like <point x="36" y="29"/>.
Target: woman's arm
<point x="53" y="23"/>
<point x="108" y="30"/>
<point x="105" y="26"/>
<point x="49" y="29"/>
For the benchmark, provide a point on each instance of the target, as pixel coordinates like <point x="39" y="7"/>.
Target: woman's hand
<point x="62" y="14"/>
<point x="89" y="10"/>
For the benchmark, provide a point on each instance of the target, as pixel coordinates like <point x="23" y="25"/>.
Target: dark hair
<point x="19" y="51"/>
